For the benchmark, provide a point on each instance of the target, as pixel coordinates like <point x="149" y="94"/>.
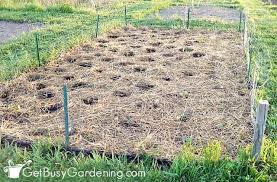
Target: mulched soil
<point x="138" y="90"/>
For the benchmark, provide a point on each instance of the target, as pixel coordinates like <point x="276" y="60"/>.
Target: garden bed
<point x="138" y="90"/>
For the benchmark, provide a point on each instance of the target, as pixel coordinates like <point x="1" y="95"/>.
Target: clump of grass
<point x="213" y="151"/>
<point x="33" y="7"/>
<point x="62" y="8"/>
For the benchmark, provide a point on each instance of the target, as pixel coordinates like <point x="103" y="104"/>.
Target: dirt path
<point x="203" y="12"/>
<point x="138" y="90"/>
<point x="9" y="30"/>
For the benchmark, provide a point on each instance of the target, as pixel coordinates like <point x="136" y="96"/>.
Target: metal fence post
<point x="126" y="23"/>
<point x="97" y="26"/>
<point x="66" y="117"/>
<point x="240" y="20"/>
<point x="188" y="21"/>
<point x="37" y="48"/>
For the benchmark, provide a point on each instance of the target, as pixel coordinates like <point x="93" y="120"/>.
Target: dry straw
<point x="138" y="90"/>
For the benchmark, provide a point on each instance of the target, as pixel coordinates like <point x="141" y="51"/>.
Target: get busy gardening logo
<point x="15" y="171"/>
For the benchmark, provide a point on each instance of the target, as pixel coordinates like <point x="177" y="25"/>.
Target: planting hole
<point x="51" y="108"/>
<point x="79" y="85"/>
<point x="125" y="63"/>
<point x="150" y="50"/>
<point x="144" y="86"/>
<point x="170" y="47"/>
<point x="102" y="41"/>
<point x="129" y="54"/>
<point x="34" y="77"/>
<point x="179" y="58"/>
<point x="168" y="55"/>
<point x="87" y="48"/>
<point x="121" y="93"/>
<point x="59" y="70"/>
<point x="68" y="77"/>
<point x="129" y="123"/>
<point x="113" y="49"/>
<point x="40" y="86"/>
<point x="4" y="93"/>
<point x="166" y="78"/>
<point x="85" y="64"/>
<point x="135" y="46"/>
<point x="41" y="132"/>
<point x="146" y="59"/>
<point x="139" y="69"/>
<point x="45" y="94"/>
<point x="198" y="54"/>
<point x="156" y="44"/>
<point x="70" y="59"/>
<point x="185" y="116"/>
<point x="186" y="49"/>
<point x="115" y="77"/>
<point x="102" y="45"/>
<point x="98" y="54"/>
<point x="107" y="59"/>
<point x="90" y="100"/>
<point x="188" y="73"/>
<point x="113" y="36"/>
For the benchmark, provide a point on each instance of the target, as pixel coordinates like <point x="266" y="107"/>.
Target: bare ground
<point x="9" y="30"/>
<point x="138" y="90"/>
<point x="202" y="12"/>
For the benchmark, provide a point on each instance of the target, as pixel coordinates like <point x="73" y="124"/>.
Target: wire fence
<point x="76" y="118"/>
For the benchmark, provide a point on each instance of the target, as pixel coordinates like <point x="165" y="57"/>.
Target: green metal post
<point x="37" y="48"/>
<point x="97" y="26"/>
<point x="188" y="21"/>
<point x="126" y="23"/>
<point x="240" y="21"/>
<point x="66" y="117"/>
<point x="250" y="60"/>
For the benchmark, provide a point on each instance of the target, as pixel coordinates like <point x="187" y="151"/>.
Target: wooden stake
<point x="66" y="115"/>
<point x="261" y="116"/>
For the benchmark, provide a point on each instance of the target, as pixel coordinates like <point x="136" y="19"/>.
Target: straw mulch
<point x="137" y="90"/>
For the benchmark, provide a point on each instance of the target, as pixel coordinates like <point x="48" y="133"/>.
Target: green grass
<point x="211" y="165"/>
<point x="263" y="28"/>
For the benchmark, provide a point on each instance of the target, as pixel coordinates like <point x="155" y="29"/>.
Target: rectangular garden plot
<point x="138" y="90"/>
